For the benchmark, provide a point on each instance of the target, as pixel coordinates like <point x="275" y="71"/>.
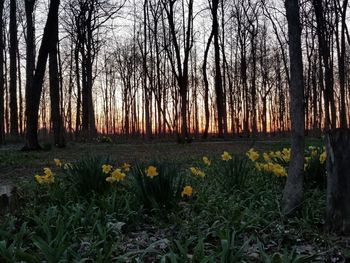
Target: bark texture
<point x="338" y="180"/>
<point x="294" y="187"/>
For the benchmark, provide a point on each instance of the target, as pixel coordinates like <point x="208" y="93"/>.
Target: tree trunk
<point x="218" y="77"/>
<point x="56" y="117"/>
<point x="77" y="72"/>
<point x="294" y="187"/>
<point x="13" y="69"/>
<point x="206" y="87"/>
<point x="338" y="180"/>
<point x="341" y="63"/>
<point x="32" y="107"/>
<point x="2" y="81"/>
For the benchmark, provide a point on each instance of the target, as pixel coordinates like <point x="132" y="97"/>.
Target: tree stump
<point x="8" y="196"/>
<point x="338" y="180"/>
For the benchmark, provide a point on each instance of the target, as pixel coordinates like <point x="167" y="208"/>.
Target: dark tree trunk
<point x="148" y="126"/>
<point x="294" y="187"/>
<point x="218" y="77"/>
<point x="180" y="70"/>
<point x="2" y="82"/>
<point x="13" y="69"/>
<point x="206" y="87"/>
<point x="77" y="72"/>
<point x="325" y="53"/>
<point x="341" y="63"/>
<point x="30" y="48"/>
<point x="338" y="180"/>
<point x="56" y="117"/>
<point x="37" y="84"/>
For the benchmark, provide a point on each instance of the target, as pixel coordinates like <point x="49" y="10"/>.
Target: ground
<point x="16" y="165"/>
<point x="239" y="224"/>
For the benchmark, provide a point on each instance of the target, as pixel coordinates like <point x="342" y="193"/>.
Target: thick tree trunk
<point x="13" y="69"/>
<point x="32" y="108"/>
<point x="56" y="118"/>
<point x="30" y="48"/>
<point x="338" y="180"/>
<point x="56" y="112"/>
<point x="2" y="82"/>
<point x="294" y="187"/>
<point x="218" y="77"/>
<point x="325" y="53"/>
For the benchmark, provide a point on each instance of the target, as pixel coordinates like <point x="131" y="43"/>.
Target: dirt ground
<point x="17" y="165"/>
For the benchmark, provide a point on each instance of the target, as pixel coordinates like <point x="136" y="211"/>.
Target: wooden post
<point x="338" y="180"/>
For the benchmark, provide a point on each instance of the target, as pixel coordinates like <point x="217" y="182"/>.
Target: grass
<point x="243" y="224"/>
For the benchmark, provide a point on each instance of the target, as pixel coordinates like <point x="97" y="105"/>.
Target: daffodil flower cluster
<point x="197" y="172"/>
<point x="117" y="174"/>
<point x="283" y="155"/>
<point x="274" y="168"/>
<point x="48" y="177"/>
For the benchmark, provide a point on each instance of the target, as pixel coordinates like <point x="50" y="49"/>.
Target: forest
<point x="152" y="68"/>
<point x="174" y="131"/>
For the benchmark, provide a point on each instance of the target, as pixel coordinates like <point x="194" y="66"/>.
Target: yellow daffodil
<point x="274" y="168"/>
<point x="47" y="178"/>
<point x="286" y="154"/>
<point x="226" y="156"/>
<point x="187" y="191"/>
<point x="323" y="157"/>
<point x="266" y="157"/>
<point x="111" y="179"/>
<point x="197" y="172"/>
<point x="252" y="155"/>
<point x="206" y="161"/>
<point x="258" y="166"/>
<point x="193" y="170"/>
<point x="106" y="168"/>
<point x="39" y="179"/>
<point x="126" y="167"/>
<point x="118" y="175"/>
<point x="151" y="171"/>
<point x="313" y="152"/>
<point x="48" y="172"/>
<point x="58" y="162"/>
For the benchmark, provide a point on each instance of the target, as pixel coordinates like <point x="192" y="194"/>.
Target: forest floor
<point x="232" y="215"/>
<point x="16" y="165"/>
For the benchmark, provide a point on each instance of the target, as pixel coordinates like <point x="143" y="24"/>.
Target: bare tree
<point x="294" y="187"/>
<point x="179" y="66"/>
<point x="2" y="84"/>
<point x="34" y="95"/>
<point x="13" y="67"/>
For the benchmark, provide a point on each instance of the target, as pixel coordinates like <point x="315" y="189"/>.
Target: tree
<point x="294" y="186"/>
<point x="30" y="47"/>
<point x="323" y="34"/>
<point x="2" y="81"/>
<point x="32" y="106"/>
<point x="180" y="67"/>
<point x="13" y="68"/>
<point x="218" y="76"/>
<point x="206" y="87"/>
<point x="56" y="118"/>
